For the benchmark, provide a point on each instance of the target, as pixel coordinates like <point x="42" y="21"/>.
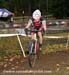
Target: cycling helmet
<point x="36" y="14"/>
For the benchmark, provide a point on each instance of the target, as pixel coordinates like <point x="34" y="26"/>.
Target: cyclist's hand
<point x="26" y="31"/>
<point x="43" y="32"/>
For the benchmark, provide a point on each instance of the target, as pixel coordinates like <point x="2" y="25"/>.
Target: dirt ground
<point x="49" y="64"/>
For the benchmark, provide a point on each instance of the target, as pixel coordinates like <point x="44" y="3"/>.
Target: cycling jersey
<point x="37" y="24"/>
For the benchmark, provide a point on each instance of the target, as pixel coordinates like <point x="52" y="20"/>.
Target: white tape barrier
<point x="21" y="45"/>
<point x="9" y="35"/>
<point x="54" y="37"/>
<point x="67" y="42"/>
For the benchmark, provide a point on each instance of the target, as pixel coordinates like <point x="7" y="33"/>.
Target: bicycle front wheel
<point x="32" y="60"/>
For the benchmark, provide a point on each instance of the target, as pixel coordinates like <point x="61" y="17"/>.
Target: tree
<point x="3" y="4"/>
<point x="59" y="8"/>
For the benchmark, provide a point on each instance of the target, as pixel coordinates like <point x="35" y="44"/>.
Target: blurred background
<point x="55" y="12"/>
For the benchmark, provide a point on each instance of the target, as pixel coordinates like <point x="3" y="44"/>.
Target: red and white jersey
<point x="41" y="22"/>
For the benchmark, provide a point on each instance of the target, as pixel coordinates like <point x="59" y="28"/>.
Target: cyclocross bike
<point x="34" y="49"/>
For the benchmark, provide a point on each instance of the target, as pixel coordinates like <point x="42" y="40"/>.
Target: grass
<point x="10" y="45"/>
<point x="59" y="34"/>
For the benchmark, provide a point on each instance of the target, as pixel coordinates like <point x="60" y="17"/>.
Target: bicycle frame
<point x="34" y="47"/>
<point x="35" y="39"/>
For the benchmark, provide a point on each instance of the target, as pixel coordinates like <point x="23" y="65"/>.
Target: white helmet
<point x="36" y="14"/>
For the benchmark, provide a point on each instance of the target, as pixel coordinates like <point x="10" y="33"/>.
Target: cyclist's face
<point x="36" y="20"/>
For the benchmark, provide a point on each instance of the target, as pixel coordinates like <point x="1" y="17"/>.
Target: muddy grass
<point x="54" y="63"/>
<point x="54" y="59"/>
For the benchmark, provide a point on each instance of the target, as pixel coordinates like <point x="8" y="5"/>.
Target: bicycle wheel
<point x="32" y="60"/>
<point x="32" y="54"/>
<point x="35" y="55"/>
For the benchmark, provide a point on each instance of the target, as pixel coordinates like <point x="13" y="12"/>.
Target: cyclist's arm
<point x="28" y="24"/>
<point x="44" y="25"/>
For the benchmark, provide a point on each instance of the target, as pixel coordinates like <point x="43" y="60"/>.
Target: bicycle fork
<point x="33" y="48"/>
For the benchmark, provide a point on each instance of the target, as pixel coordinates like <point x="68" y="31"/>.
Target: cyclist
<point x="37" y="22"/>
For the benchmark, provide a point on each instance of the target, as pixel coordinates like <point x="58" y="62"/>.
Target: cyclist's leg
<point x="40" y="39"/>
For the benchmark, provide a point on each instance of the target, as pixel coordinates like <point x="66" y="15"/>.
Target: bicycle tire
<point x="32" y="60"/>
<point x="32" y="55"/>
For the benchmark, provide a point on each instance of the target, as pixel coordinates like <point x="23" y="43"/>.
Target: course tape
<point x="54" y="37"/>
<point x="9" y="35"/>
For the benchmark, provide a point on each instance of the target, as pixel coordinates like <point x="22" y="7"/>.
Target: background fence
<point x="19" y="22"/>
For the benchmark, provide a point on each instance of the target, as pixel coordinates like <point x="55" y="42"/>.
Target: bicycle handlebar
<point x="34" y="30"/>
